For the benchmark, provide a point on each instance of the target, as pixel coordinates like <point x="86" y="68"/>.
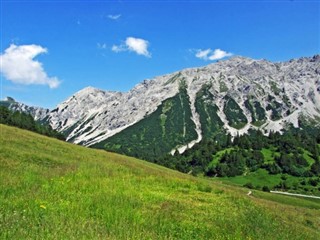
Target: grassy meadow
<point x="50" y="189"/>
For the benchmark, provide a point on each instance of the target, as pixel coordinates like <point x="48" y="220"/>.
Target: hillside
<point x="230" y="96"/>
<point x="286" y="162"/>
<point x="26" y="121"/>
<point x="50" y="189"/>
<point x="175" y="111"/>
<point x="37" y="113"/>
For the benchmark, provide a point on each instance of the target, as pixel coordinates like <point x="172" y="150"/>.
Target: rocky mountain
<point x="176" y="110"/>
<point x="37" y="113"/>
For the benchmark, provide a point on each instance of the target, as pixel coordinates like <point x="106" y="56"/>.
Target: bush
<point x="265" y="189"/>
<point x="273" y="168"/>
<point x="313" y="182"/>
<point x="249" y="185"/>
<point x="283" y="185"/>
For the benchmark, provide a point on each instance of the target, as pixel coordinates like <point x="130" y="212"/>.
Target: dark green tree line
<point x="26" y="121"/>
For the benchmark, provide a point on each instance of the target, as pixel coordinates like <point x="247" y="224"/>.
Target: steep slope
<point x="211" y="124"/>
<point x="37" y="113"/>
<point x="240" y="94"/>
<point x="170" y="125"/>
<point x="54" y="190"/>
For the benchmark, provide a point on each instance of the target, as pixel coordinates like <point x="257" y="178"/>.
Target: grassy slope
<point x="54" y="190"/>
<point x="260" y="178"/>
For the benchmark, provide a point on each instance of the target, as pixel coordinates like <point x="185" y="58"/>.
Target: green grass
<point x="289" y="200"/>
<point x="269" y="155"/>
<point x="261" y="178"/>
<point x="50" y="189"/>
<point x="217" y="156"/>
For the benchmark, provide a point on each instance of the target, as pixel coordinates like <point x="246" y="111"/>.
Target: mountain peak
<point x="89" y="89"/>
<point x="241" y="94"/>
<point x="315" y="58"/>
<point x="246" y="60"/>
<point x="9" y="99"/>
<point x="239" y="58"/>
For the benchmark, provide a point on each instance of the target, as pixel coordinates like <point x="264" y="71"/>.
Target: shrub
<point x="249" y="185"/>
<point x="313" y="182"/>
<point x="265" y="189"/>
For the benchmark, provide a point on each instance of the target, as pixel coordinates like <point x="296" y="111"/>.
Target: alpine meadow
<point x="160" y="119"/>
<point x="55" y="190"/>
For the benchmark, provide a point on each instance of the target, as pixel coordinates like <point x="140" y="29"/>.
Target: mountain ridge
<point x="170" y="84"/>
<point x="243" y="93"/>
<point x="37" y="113"/>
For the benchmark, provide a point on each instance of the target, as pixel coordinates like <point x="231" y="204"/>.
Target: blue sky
<point x="51" y="49"/>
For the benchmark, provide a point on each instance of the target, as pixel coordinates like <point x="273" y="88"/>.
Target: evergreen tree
<point x="26" y="121"/>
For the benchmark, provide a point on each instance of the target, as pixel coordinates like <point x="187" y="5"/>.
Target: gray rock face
<point x="37" y="113"/>
<point x="92" y="115"/>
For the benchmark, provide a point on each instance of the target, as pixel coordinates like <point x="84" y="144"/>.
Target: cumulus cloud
<point x="18" y="65"/>
<point x="137" y="45"/>
<point x="114" y="17"/>
<point x="209" y="54"/>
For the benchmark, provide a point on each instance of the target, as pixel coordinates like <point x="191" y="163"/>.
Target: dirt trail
<point x="295" y="194"/>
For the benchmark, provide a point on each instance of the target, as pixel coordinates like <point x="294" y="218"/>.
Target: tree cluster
<point x="245" y="154"/>
<point x="26" y="121"/>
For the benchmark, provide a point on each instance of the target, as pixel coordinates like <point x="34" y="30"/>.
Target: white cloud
<point x="18" y="65"/>
<point x="137" y="45"/>
<point x="209" y="54"/>
<point x="114" y="17"/>
<point x="119" y="48"/>
<point x="101" y="45"/>
<point x="203" y="54"/>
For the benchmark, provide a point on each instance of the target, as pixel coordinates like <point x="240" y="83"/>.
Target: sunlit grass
<point x="50" y="189"/>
